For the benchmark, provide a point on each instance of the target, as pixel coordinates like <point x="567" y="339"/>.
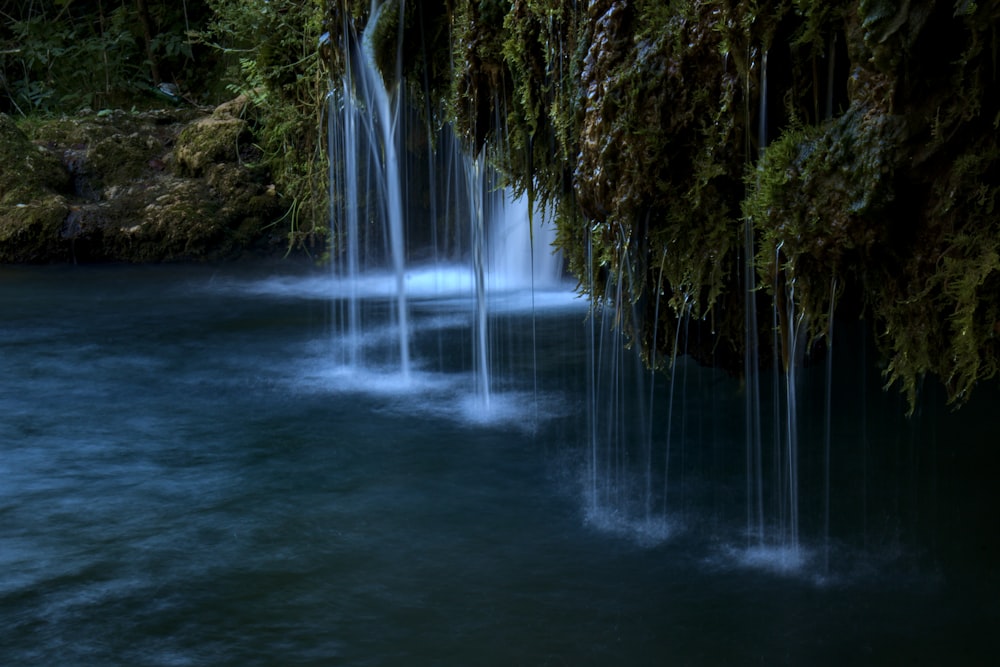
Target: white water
<point x="388" y="114"/>
<point x="497" y="261"/>
<point x="364" y="120"/>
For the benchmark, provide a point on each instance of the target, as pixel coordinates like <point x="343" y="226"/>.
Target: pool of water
<point x="188" y="477"/>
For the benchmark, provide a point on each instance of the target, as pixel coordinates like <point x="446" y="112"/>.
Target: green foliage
<point x="60" y="56"/>
<point x="818" y="201"/>
<point x="67" y="64"/>
<point x="541" y="123"/>
<point x="481" y="81"/>
<point x="940" y="308"/>
<point x="282" y="76"/>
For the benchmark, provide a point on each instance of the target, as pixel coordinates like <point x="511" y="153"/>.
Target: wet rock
<point x="859" y="139"/>
<point x="601" y="139"/>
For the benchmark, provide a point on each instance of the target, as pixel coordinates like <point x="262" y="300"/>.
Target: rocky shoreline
<point x="151" y="186"/>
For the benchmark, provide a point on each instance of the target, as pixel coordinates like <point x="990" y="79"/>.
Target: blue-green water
<point x="187" y="478"/>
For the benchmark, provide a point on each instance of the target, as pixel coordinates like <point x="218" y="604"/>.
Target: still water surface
<point x="186" y="479"/>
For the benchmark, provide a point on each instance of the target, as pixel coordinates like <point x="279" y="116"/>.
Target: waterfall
<point x="751" y="377"/>
<point x="480" y="338"/>
<point x="751" y="372"/>
<point x="628" y="454"/>
<point x="478" y="248"/>
<point x="652" y="453"/>
<point x="365" y="184"/>
<point x="827" y="425"/>
<point x="794" y="332"/>
<point x="465" y="235"/>
<point x="388" y="116"/>
<point x="670" y="409"/>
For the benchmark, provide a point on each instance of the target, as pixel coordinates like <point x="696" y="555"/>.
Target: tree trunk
<point x="147" y="32"/>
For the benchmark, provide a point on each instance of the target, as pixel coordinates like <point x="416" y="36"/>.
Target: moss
<point x="209" y="141"/>
<point x="818" y="201"/>
<point x="28" y="170"/>
<point x="32" y="208"/>
<point x="126" y="204"/>
<point x="33" y="232"/>
<point x="175" y="220"/>
<point x="661" y="153"/>
<point x="122" y="158"/>
<point x="869" y="172"/>
<point x="481" y="79"/>
<point x="939" y="308"/>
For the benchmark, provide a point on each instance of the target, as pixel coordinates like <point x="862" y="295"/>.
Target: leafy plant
<point x="282" y="78"/>
<point x="60" y="55"/>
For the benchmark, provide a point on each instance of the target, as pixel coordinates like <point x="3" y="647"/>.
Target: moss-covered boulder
<point x="209" y="141"/>
<point x="167" y="185"/>
<point x="32" y="202"/>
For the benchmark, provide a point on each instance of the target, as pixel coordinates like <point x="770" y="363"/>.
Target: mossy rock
<point x="32" y="208"/>
<point x="209" y="141"/>
<point x="109" y="148"/>
<point x="242" y="194"/>
<point x="122" y="158"/>
<point x="28" y="170"/>
<point x="180" y="224"/>
<point x="88" y="126"/>
<point x="34" y="232"/>
<point x="170" y="218"/>
<point x="240" y="107"/>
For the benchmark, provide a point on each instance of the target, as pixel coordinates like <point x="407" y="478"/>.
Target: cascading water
<point x="752" y="414"/>
<point x="479" y="268"/>
<point x="472" y="242"/>
<point x="638" y="449"/>
<point x="365" y="183"/>
<point x="794" y="331"/>
<point x="827" y="425"/>
<point x="647" y="458"/>
<point x="628" y="460"/>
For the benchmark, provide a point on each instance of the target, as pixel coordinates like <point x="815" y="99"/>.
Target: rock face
<point x="135" y="187"/>
<point x="820" y="157"/>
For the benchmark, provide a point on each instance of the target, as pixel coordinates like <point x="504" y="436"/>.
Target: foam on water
<point x="428" y="283"/>
<point x="648" y="531"/>
<point x="441" y="395"/>
<point x="777" y="559"/>
<point x="388" y="381"/>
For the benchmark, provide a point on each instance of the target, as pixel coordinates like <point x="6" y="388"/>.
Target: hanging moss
<point x="940" y="308"/>
<point x="819" y="200"/>
<point x="481" y="79"/>
<point x="868" y="163"/>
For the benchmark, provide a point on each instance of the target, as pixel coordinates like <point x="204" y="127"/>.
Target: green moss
<point x="818" y="201"/>
<point x="29" y="170"/>
<point x="32" y="211"/>
<point x="637" y="122"/>
<point x="32" y="232"/>
<point x="940" y="308"/>
<point x="209" y="141"/>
